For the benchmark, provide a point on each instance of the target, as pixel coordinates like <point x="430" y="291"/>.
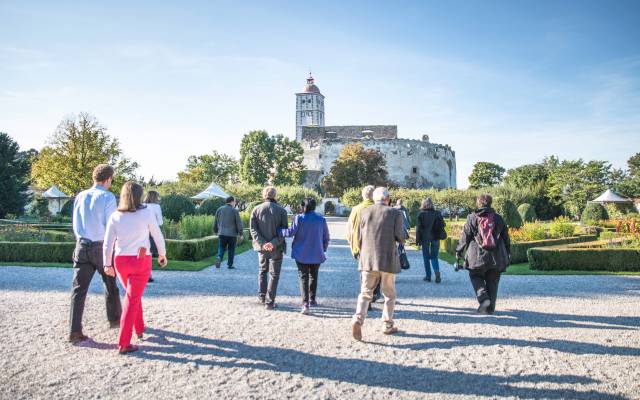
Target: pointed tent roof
<point x="609" y="196"/>
<point x="54" y="193"/>
<point x="212" y="191"/>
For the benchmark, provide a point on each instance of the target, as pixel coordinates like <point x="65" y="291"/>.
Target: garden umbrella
<point x="53" y="193"/>
<point x="212" y="191"/>
<point x="609" y="196"/>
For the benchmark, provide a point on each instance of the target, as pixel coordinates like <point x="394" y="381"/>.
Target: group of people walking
<point x="119" y="241"/>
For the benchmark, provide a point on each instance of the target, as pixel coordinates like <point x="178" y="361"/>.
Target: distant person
<point x="228" y="226"/>
<point x="126" y="242"/>
<point x="91" y="211"/>
<point x="429" y="227"/>
<point x="381" y="227"/>
<point x="485" y="238"/>
<point x="310" y="241"/>
<point x="152" y="202"/>
<point x="353" y="229"/>
<point x="405" y="219"/>
<point x="266" y="221"/>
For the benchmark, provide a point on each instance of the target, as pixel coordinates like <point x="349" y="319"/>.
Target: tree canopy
<point x="355" y="167"/>
<point x="213" y="167"/>
<point x="277" y="160"/>
<point x="14" y="177"/>
<point x="485" y="174"/>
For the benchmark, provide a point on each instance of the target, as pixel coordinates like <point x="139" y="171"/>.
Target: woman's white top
<point x="157" y="211"/>
<point x="128" y="231"/>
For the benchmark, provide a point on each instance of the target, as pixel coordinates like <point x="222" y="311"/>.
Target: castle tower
<point x="309" y="107"/>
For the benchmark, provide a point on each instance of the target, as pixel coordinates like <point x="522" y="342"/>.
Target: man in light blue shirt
<point x="91" y="211"/>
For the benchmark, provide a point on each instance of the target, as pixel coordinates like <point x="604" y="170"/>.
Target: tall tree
<point x="355" y="167"/>
<point x="485" y="174"/>
<point x="527" y="175"/>
<point x="77" y="146"/>
<point x="214" y="167"/>
<point x="630" y="184"/>
<point x="14" y="177"/>
<point x="256" y="157"/>
<point x="288" y="168"/>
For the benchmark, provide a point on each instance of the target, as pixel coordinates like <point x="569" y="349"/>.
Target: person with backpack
<point x="429" y="231"/>
<point x="485" y="238"/>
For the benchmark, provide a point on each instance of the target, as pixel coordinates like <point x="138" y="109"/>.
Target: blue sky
<point x="502" y="81"/>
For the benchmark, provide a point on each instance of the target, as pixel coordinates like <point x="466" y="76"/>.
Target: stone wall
<point x="317" y="133"/>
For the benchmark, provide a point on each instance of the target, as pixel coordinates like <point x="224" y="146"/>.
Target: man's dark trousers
<point x="269" y="263"/>
<point x="485" y="284"/>
<point x="224" y="243"/>
<point x="87" y="259"/>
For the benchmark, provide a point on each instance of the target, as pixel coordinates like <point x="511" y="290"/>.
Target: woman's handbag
<point x="404" y="260"/>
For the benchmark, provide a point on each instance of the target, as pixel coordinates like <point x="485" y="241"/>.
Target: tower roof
<point x="310" y="87"/>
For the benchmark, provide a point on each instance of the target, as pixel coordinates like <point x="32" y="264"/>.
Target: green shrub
<point x="37" y="251"/>
<point x="170" y="229"/>
<point x="174" y="206"/>
<point x="210" y="206"/>
<point x="245" y="192"/>
<point x="527" y="212"/>
<point x="292" y="196"/>
<point x="67" y="208"/>
<point x="196" y="226"/>
<point x="593" y="212"/>
<point x="193" y="249"/>
<point x="39" y="208"/>
<point x="329" y="208"/>
<point x="351" y="197"/>
<point x="561" y="227"/>
<point x="26" y="233"/>
<point x="584" y="259"/>
<point x="245" y="217"/>
<point x="508" y="211"/>
<point x="528" y="232"/>
<point x="619" y="210"/>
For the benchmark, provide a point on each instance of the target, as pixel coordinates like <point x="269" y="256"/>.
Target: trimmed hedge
<point x="37" y="251"/>
<point x="508" y="211"/>
<point x="519" y="250"/>
<point x="193" y="249"/>
<point x="593" y="212"/>
<point x="584" y="259"/>
<point x="527" y="212"/>
<point x="210" y="206"/>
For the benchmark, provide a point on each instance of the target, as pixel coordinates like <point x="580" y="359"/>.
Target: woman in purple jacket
<point x="310" y="241"/>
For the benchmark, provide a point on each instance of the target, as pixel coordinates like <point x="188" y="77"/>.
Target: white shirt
<point x="128" y="232"/>
<point x="91" y="211"/>
<point x="157" y="211"/>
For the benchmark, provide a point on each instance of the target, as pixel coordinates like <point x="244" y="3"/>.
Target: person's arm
<point x="158" y="213"/>
<point x="419" y="230"/>
<point x="325" y="235"/>
<point x="158" y="239"/>
<point x="465" y="237"/>
<point x="75" y="222"/>
<point x="110" y="207"/>
<point x="351" y="225"/>
<point x="290" y="232"/>
<point x="108" y="244"/>
<point x="215" y="221"/>
<point x="254" y="228"/>
<point x="505" y="236"/>
<point x="399" y="228"/>
<point x="239" y="226"/>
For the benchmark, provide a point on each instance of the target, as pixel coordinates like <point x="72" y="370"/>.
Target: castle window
<point x="414" y="170"/>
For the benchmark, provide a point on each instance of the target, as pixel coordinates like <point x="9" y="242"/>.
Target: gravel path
<point x="552" y="337"/>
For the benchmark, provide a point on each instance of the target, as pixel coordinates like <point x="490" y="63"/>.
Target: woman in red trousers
<point x="127" y="238"/>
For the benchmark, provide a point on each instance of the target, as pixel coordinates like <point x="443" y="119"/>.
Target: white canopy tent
<point x="212" y="191"/>
<point x="609" y="196"/>
<point x="53" y="193"/>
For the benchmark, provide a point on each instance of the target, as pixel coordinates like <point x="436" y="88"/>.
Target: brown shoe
<point x="77" y="337"/>
<point x="390" y="331"/>
<point x="129" y="349"/>
<point x="356" y="330"/>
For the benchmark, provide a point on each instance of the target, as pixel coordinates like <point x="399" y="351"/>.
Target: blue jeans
<point x="430" y="254"/>
<point x="224" y="243"/>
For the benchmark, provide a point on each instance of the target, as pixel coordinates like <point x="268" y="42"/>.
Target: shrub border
<point x="585" y="259"/>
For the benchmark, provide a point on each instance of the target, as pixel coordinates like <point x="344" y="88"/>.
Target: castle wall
<point x="315" y="133"/>
<point x="410" y="163"/>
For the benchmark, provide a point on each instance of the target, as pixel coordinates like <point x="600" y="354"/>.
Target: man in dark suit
<point x="266" y="221"/>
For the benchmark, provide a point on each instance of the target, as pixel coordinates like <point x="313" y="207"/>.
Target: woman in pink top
<point x="127" y="237"/>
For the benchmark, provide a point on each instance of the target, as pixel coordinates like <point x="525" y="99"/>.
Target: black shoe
<point x="427" y="279"/>
<point x="370" y="307"/>
<point x="151" y="279"/>
<point x="114" y="324"/>
<point x="269" y="306"/>
<point x="77" y="337"/>
<point x="438" y="279"/>
<point x="231" y="267"/>
<point x="218" y="261"/>
<point x="313" y="303"/>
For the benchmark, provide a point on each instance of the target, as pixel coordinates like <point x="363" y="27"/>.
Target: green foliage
<point x="456" y="201"/>
<point x="585" y="259"/>
<point x="14" y="177"/>
<point x="329" y="208"/>
<point x="292" y="196"/>
<point x="25" y="233"/>
<point x="245" y="192"/>
<point x="351" y="197"/>
<point x="288" y="161"/>
<point x="210" y="206"/>
<point x="508" y="211"/>
<point x="527" y="212"/>
<point x="527" y="175"/>
<point x="74" y="150"/>
<point x="245" y="217"/>
<point x="193" y="249"/>
<point x="619" y="210"/>
<point x="40" y="208"/>
<point x="485" y="174"/>
<point x="529" y="231"/>
<point x="207" y="168"/>
<point x="196" y="226"/>
<point x="37" y="251"/>
<point x="67" y="208"/>
<point x="256" y="157"/>
<point x="174" y="206"/>
<point x="561" y="227"/>
<point x="355" y="167"/>
<point x="593" y="212"/>
<point x="180" y="187"/>
<point x="170" y="229"/>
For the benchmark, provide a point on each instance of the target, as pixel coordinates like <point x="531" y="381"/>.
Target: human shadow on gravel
<point x="187" y="349"/>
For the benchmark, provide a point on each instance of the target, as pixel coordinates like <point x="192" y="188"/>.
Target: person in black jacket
<point x="486" y="256"/>
<point x="428" y="227"/>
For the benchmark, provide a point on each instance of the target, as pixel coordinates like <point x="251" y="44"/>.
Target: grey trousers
<point x="269" y="263"/>
<point x="87" y="259"/>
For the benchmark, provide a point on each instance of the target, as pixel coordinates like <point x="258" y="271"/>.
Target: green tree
<point x="73" y="151"/>
<point x="256" y="157"/>
<point x="633" y="165"/>
<point x="14" y="177"/>
<point x="288" y="166"/>
<point x="629" y="185"/>
<point x="455" y="201"/>
<point x="527" y="175"/>
<point x="214" y="167"/>
<point x="355" y="167"/>
<point x="485" y="174"/>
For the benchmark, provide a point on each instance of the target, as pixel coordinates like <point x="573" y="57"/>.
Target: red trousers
<point x="133" y="274"/>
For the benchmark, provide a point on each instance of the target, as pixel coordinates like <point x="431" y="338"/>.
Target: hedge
<point x="192" y="249"/>
<point x="584" y="259"/>
<point x="37" y="251"/>
<point x="519" y="250"/>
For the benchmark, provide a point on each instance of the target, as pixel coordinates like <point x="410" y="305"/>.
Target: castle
<point x="410" y="163"/>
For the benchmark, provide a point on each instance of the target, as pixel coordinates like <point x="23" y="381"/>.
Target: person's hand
<point x="109" y="270"/>
<point x="267" y="247"/>
<point x="162" y="260"/>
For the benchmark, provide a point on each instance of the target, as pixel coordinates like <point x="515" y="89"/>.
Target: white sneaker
<point x="484" y="306"/>
<point x="305" y="309"/>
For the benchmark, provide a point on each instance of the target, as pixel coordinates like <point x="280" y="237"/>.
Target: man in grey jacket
<point x="228" y="226"/>
<point x="381" y="228"/>
<point x="266" y="221"/>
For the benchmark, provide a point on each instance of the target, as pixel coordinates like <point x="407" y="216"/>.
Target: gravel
<point x="551" y="337"/>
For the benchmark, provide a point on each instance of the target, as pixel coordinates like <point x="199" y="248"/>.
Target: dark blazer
<point x="227" y="221"/>
<point x="381" y="227"/>
<point x="428" y="224"/>
<point x="266" y="221"/>
<point x="477" y="257"/>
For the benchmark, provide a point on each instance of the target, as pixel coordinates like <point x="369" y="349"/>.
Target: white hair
<point x="380" y="194"/>
<point x="367" y="192"/>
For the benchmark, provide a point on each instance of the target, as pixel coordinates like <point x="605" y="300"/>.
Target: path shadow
<point x="182" y="348"/>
